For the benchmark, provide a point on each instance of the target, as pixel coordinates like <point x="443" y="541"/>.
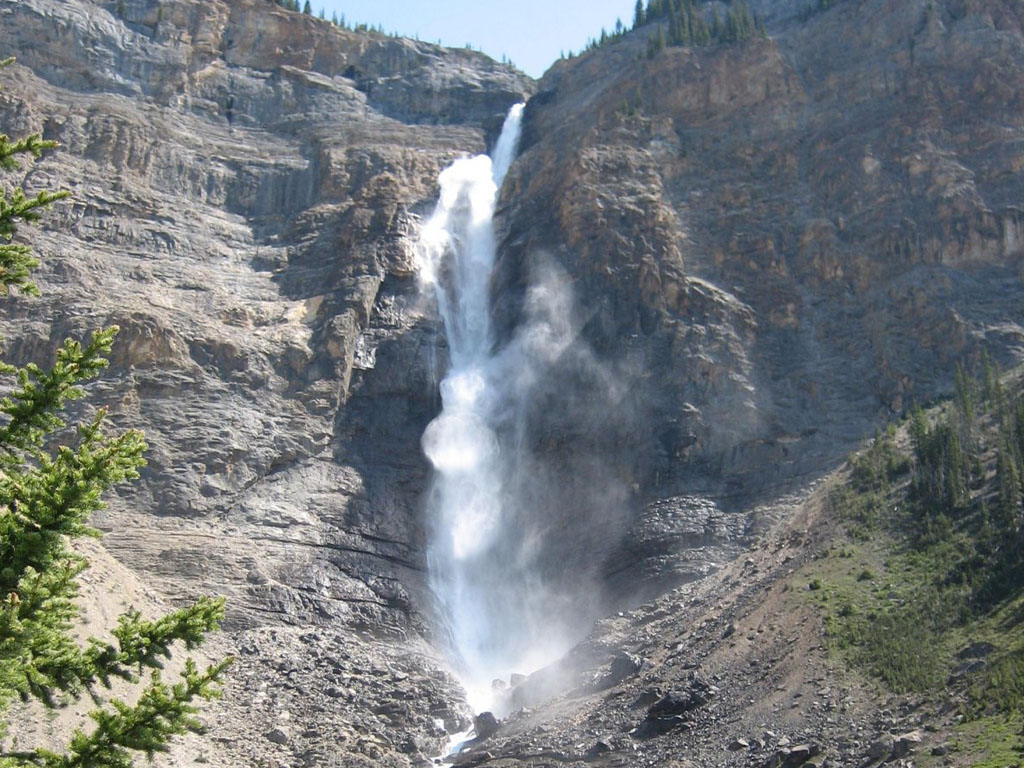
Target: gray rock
<point x="278" y="736"/>
<point x="485" y="725"/>
<point x="906" y="743"/>
<point x="880" y="747"/>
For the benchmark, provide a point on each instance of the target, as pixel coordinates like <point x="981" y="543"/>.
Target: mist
<point x="524" y="506"/>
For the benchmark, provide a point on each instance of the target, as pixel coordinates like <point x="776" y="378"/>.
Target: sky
<point x="532" y="33"/>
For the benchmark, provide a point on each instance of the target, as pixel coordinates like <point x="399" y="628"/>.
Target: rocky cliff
<point x="778" y="245"/>
<point x="772" y="247"/>
<point x="245" y="184"/>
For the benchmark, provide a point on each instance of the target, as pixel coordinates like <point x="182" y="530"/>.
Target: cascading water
<point x="489" y="593"/>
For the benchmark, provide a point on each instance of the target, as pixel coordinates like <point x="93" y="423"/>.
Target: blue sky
<point x="529" y="32"/>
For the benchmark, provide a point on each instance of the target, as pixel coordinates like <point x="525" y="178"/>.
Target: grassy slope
<point x="923" y="589"/>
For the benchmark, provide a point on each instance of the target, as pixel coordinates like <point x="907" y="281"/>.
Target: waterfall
<point x="491" y="603"/>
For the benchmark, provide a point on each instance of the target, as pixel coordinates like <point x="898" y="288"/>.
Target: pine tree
<point x="656" y="42"/>
<point x="52" y="479"/>
<point x="675" y="36"/>
<point x="1009" y="484"/>
<point x="716" y="26"/>
<point x="307" y="9"/>
<point x="639" y="17"/>
<point x="956" y="471"/>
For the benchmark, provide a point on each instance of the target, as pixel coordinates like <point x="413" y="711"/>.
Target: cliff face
<point x="245" y="183"/>
<point x="776" y="245"/>
<point x="772" y="248"/>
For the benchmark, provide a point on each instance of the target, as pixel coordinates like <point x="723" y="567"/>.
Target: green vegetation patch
<point x="925" y="593"/>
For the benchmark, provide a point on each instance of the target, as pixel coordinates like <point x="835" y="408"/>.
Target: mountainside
<point x="760" y="251"/>
<point x="245" y="185"/>
<point x="781" y="243"/>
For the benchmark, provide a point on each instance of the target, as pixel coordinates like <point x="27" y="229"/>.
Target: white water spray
<point x="491" y="601"/>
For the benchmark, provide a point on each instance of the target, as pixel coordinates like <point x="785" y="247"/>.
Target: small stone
<point x="907" y="742"/>
<point x="485" y="725"/>
<point x="738" y="744"/>
<point x="278" y="736"/>
<point x="881" y="747"/>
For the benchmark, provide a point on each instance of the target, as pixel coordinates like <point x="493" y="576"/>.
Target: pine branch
<point x="53" y="501"/>
<point x="39" y="658"/>
<point x="37" y="654"/>
<point x="144" y="643"/>
<point x="162" y="711"/>
<point x="33" y="145"/>
<point x="46" y="498"/>
<point x="16" y="207"/>
<point x="16" y="264"/>
<point x="32" y="406"/>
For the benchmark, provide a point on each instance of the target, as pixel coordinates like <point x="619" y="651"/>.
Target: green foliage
<point x="942" y="461"/>
<point x="948" y="521"/>
<point x="639" y="16"/>
<point x="903" y="649"/>
<point x="1001" y="685"/>
<point x="16" y="261"/>
<point x="52" y="478"/>
<point x="687" y="23"/>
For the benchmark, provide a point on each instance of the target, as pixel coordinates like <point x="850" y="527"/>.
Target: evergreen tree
<point x="51" y="480"/>
<point x="307" y="9"/>
<point x="716" y="25"/>
<point x="674" y="34"/>
<point x="1009" y="484"/>
<point x="656" y="42"/>
<point x="639" y="17"/>
<point x="956" y="472"/>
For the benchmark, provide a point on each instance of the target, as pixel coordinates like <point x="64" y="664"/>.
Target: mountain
<point x="770" y="248"/>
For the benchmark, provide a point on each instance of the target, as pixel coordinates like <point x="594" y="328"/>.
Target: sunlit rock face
<point x="246" y="184"/>
<point x="777" y="245"/>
